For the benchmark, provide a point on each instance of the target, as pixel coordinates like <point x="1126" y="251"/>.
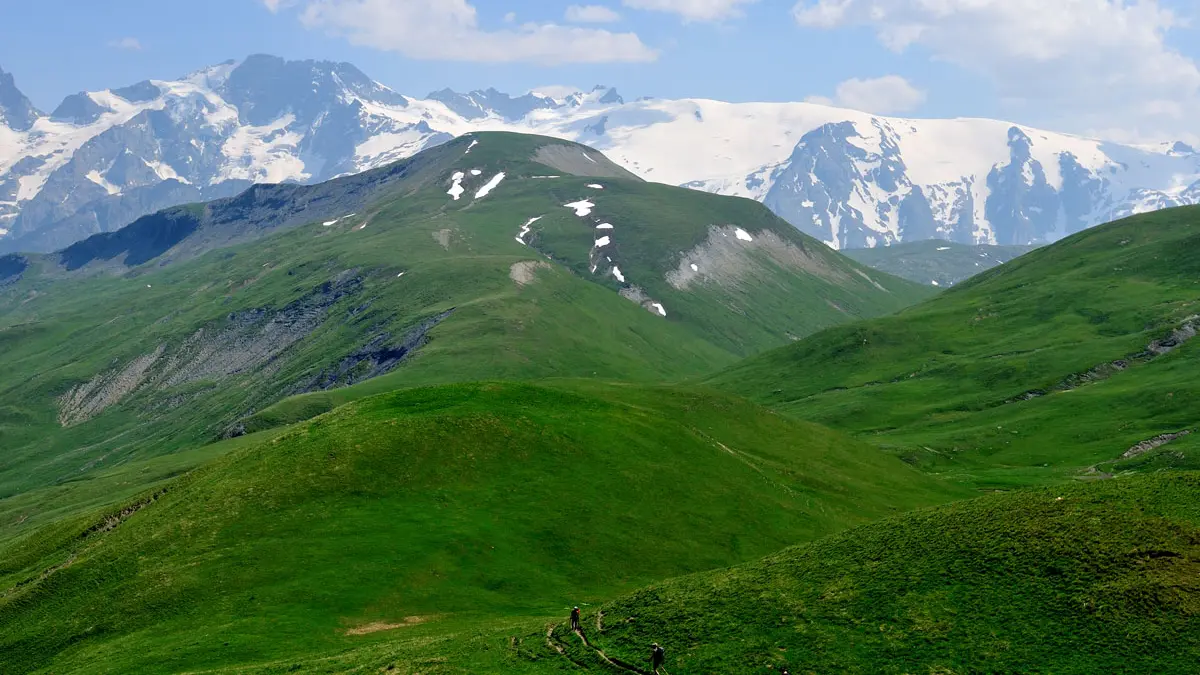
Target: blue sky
<point x="1126" y="69"/>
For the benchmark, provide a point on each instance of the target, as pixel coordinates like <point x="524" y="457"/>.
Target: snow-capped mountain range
<point x="852" y="179"/>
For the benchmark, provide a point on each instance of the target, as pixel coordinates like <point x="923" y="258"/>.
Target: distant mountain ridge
<point x="102" y="159"/>
<point x="935" y="262"/>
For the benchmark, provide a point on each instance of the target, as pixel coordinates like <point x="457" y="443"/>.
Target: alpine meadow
<point x="299" y="374"/>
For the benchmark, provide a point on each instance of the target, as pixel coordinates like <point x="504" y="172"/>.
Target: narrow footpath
<point x="610" y="660"/>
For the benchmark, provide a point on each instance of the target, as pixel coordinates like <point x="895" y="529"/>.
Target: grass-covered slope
<point x="935" y="262"/>
<point x="1060" y="361"/>
<point x="113" y="354"/>
<point x="1097" y="578"/>
<point x="460" y="504"/>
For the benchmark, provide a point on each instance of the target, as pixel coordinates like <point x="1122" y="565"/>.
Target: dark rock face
<point x="16" y="111"/>
<point x="77" y="109"/>
<point x="378" y="357"/>
<point x="264" y="88"/>
<point x="828" y="184"/>
<point x="1020" y="198"/>
<point x="144" y="240"/>
<point x="12" y="266"/>
<point x="140" y="92"/>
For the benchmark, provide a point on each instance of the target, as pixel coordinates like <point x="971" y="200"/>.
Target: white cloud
<point x="276" y="5"/>
<point x="693" y="10"/>
<point x="126" y="43"/>
<point x="449" y="30"/>
<point x="881" y="95"/>
<point x="1094" y="63"/>
<point x="591" y="14"/>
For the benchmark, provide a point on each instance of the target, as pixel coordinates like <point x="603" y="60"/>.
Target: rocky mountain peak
<point x="1181" y="148"/>
<point x="79" y="109"/>
<point x="265" y="88"/>
<point x="599" y="94"/>
<point x="16" y="111"/>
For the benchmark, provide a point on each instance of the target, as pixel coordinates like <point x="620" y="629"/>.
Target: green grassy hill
<point x="115" y="353"/>
<point x="1081" y="579"/>
<point x="936" y="262"/>
<point x="466" y="504"/>
<point x="1056" y="365"/>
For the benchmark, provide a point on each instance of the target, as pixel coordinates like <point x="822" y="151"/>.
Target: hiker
<point x="657" y="657"/>
<point x="575" y="619"/>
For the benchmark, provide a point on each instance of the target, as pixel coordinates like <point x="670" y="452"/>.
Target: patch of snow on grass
<point x="603" y="241"/>
<point x="587" y="157"/>
<point x="491" y="185"/>
<point x="604" y="226"/>
<point x="476" y="172"/>
<point x="617" y="273"/>
<point x="457" y="189"/>
<point x="545" y="176"/>
<point x="525" y="229"/>
<point x="743" y="235"/>
<point x="595" y="186"/>
<point x="943" y="248"/>
<point x="474" y="142"/>
<point x="400" y="275"/>
<point x="582" y="208"/>
<point x="659" y="307"/>
<point x="695" y="267"/>
<point x="806" y="204"/>
<point x="935" y="283"/>
<point x="335" y="221"/>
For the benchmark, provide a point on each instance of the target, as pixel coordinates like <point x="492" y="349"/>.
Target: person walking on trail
<point x="657" y="657"/>
<point x="575" y="619"/>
